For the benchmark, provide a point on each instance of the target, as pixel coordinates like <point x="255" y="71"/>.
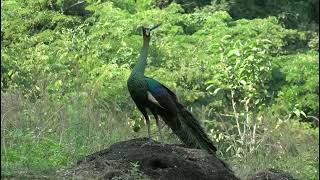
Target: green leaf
<point x="234" y="52"/>
<point x="304" y="114"/>
<point x="250" y="58"/>
<point x="297" y="112"/>
<point x="216" y="91"/>
<point x="209" y="87"/>
<point x="243" y="82"/>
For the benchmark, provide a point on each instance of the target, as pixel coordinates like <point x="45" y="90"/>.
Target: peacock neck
<point x="139" y="68"/>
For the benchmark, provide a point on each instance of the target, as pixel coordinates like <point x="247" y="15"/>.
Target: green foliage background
<point x="248" y="69"/>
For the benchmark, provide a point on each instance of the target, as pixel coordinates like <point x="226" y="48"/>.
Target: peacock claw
<point x="161" y="144"/>
<point x="148" y="143"/>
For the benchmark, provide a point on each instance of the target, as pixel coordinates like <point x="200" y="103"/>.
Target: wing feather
<point x="160" y="95"/>
<point x="153" y="99"/>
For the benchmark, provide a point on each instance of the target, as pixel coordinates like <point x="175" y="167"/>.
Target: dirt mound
<point x="272" y="174"/>
<point x="131" y="160"/>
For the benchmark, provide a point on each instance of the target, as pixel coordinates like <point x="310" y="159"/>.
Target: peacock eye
<point x="147" y="32"/>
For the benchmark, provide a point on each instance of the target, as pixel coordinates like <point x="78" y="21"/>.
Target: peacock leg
<point x="159" y="128"/>
<point x="149" y="129"/>
<point x="149" y="142"/>
<point x="155" y="114"/>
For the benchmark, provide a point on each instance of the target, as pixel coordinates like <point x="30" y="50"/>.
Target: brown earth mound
<point x="133" y="160"/>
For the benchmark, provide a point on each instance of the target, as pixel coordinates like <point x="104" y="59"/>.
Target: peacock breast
<point x="137" y="88"/>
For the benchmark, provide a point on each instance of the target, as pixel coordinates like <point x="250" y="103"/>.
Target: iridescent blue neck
<point x="139" y="68"/>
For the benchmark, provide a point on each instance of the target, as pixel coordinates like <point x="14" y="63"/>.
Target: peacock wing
<point x="160" y="95"/>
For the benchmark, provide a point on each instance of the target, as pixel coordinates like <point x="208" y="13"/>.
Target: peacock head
<point x="146" y="31"/>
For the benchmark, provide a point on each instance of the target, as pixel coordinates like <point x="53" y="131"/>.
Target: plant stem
<point x="235" y="113"/>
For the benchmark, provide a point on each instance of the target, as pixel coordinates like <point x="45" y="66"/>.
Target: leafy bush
<point x="300" y="85"/>
<point x="247" y="79"/>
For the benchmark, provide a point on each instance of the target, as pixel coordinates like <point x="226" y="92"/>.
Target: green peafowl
<point x="148" y="93"/>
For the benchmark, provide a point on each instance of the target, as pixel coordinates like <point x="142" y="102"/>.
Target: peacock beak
<point x="154" y="27"/>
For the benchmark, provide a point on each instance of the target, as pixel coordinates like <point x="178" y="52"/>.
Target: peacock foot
<point x="148" y="143"/>
<point x="161" y="141"/>
<point x="162" y="144"/>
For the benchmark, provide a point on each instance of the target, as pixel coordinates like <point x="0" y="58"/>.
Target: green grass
<point x="279" y="142"/>
<point x="39" y="137"/>
<point x="285" y="149"/>
<point x="42" y="136"/>
<point x="46" y="135"/>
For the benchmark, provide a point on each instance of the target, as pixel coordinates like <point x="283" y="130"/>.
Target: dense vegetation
<point x="248" y="70"/>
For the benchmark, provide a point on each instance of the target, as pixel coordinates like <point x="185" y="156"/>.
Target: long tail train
<point x="192" y="134"/>
<point x="189" y="130"/>
<point x="195" y="134"/>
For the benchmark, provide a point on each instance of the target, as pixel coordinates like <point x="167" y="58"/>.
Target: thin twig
<point x="235" y="113"/>
<point x="75" y="4"/>
<point x="313" y="117"/>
